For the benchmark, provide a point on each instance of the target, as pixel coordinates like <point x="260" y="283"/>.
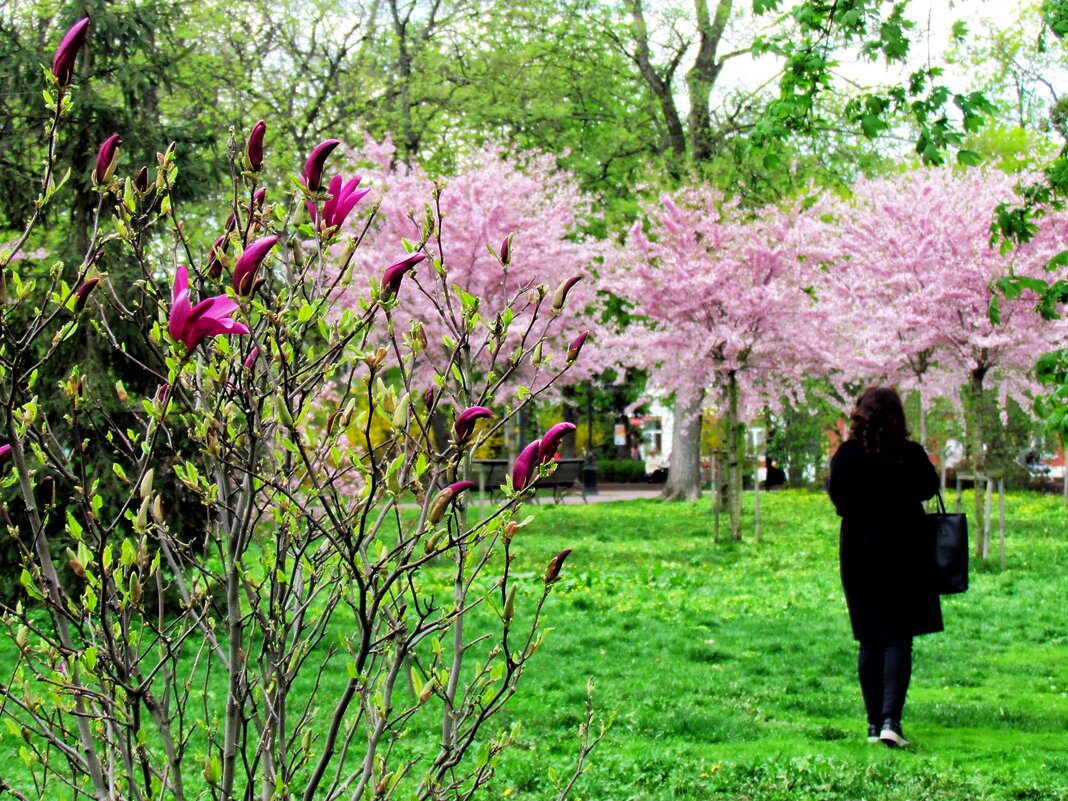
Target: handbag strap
<point x="941" y="503"/>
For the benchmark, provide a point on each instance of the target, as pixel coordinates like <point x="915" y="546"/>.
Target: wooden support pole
<point x="715" y="496"/>
<point x="1001" y="519"/>
<point x="986" y="516"/>
<point x="756" y="500"/>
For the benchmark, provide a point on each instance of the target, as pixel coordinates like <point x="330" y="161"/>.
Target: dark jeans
<point x="884" y="669"/>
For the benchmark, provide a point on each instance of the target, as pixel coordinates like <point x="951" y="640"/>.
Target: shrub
<point x="337" y="596"/>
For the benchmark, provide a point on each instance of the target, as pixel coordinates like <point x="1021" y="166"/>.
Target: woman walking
<point x="879" y="480"/>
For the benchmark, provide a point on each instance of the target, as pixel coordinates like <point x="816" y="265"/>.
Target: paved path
<point x="606" y="493"/>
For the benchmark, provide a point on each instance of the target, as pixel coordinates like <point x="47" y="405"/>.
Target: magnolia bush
<point x="313" y="612"/>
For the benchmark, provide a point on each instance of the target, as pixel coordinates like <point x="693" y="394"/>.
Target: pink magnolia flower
<point x="506" y="250"/>
<point x="575" y="348"/>
<point x="551" y="440"/>
<point x="465" y="421"/>
<point x="81" y="295"/>
<point x="106" y="159"/>
<point x="254" y="146"/>
<point x="445" y="497"/>
<point x="189" y="324"/>
<point x="5" y="454"/>
<point x="343" y="199"/>
<point x="391" y="279"/>
<point x="67" y="52"/>
<point x="216" y="255"/>
<point x="140" y="180"/>
<point x="526" y="466"/>
<point x="560" y="296"/>
<point x="552" y="570"/>
<point x="249" y="263"/>
<point x="313" y="167"/>
<point x="250" y="360"/>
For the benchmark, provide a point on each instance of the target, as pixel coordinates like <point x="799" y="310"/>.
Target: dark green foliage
<point x="623" y="471"/>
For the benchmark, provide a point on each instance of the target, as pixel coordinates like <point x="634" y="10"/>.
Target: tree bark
<point x="659" y="83"/>
<point x="702" y="77"/>
<point x="684" y="473"/>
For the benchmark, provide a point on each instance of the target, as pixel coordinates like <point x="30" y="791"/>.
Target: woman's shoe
<point x="891" y="734"/>
<point x="873" y="733"/>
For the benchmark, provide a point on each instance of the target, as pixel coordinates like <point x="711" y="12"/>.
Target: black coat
<point x="885" y="558"/>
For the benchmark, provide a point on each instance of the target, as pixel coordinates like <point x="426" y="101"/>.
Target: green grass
<point x="730" y="670"/>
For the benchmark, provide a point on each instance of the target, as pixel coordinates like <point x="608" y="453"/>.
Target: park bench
<point x="567" y="478"/>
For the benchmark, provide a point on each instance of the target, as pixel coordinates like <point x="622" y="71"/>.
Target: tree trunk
<point x="974" y="422"/>
<point x="735" y="458"/>
<point x="923" y="419"/>
<point x="684" y="473"/>
<point x="660" y="85"/>
<point x="702" y="77"/>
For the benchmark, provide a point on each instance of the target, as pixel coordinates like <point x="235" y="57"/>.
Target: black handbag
<point x="949" y="544"/>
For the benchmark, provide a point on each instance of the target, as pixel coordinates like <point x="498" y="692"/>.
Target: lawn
<point x="729" y="671"/>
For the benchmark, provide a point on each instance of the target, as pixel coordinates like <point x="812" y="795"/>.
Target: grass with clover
<point x="729" y="668"/>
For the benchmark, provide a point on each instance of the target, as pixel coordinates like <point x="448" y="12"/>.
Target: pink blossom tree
<point x="725" y="317"/>
<point x="912" y="271"/>
<point x="503" y="228"/>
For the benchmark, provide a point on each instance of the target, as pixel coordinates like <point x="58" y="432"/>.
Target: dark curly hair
<point x="878" y="421"/>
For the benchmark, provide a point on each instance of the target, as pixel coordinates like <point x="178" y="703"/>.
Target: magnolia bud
<point x="147" y="481"/>
<point x="313" y="167"/>
<point x="157" y="509"/>
<point x="67" y="52"/>
<point x="254" y="146"/>
<point x="506" y="250"/>
<point x="81" y="295"/>
<point x="106" y="159"/>
<point x="140" y="180"/>
<point x="560" y="295"/>
<point x="142" y="514"/>
<point x="428" y="689"/>
<point x="552" y="571"/>
<point x="509" y="606"/>
<point x="439" y="505"/>
<point x="575" y="348"/>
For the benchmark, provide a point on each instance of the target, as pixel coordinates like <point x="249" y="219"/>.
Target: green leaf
<point x="969" y="158"/>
